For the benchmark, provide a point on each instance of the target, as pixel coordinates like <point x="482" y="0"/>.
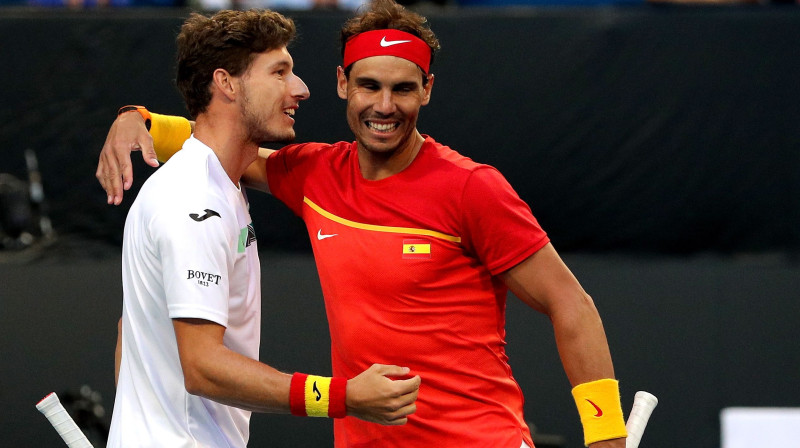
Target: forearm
<point x="118" y="352"/>
<point x="581" y="341"/>
<point x="233" y="379"/>
<point x="212" y="370"/>
<point x="545" y="283"/>
<point x="586" y="358"/>
<point x="255" y="176"/>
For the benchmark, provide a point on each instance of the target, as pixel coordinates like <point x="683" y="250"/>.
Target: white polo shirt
<point x="189" y="251"/>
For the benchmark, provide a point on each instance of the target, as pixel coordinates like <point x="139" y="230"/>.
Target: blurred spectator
<point x="502" y="3"/>
<point x="417" y="4"/>
<point x="277" y="4"/>
<point x="710" y="2"/>
<point x="79" y="4"/>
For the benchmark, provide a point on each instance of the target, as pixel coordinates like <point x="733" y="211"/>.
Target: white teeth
<point x="289" y="112"/>
<point x="382" y="127"/>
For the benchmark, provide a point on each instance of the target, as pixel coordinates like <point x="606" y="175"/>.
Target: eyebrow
<point x="280" y="64"/>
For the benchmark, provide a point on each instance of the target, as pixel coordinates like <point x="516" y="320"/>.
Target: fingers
<point x="108" y="174"/>
<point x="389" y="370"/>
<point x="397" y="412"/>
<point x="408" y="390"/>
<point x="99" y="175"/>
<point x="114" y="170"/>
<point x="400" y="417"/>
<point x="400" y="386"/>
<point x="120" y="153"/>
<point x="148" y="151"/>
<point x="375" y="395"/>
<point x="122" y="158"/>
<point x="408" y="386"/>
<point x="391" y="412"/>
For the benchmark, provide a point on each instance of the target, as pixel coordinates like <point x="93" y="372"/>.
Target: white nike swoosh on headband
<point x="389" y="43"/>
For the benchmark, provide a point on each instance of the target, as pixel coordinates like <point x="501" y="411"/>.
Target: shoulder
<point x="312" y="148"/>
<point x="308" y="155"/>
<point x="191" y="164"/>
<point x="452" y="171"/>
<point x="190" y="179"/>
<point x="447" y="158"/>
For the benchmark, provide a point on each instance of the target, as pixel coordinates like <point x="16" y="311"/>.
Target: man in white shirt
<point x="188" y="369"/>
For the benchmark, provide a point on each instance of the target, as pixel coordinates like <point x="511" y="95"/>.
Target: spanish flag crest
<point x="416" y="248"/>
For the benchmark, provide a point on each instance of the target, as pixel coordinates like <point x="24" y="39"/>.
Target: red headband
<point x="388" y="42"/>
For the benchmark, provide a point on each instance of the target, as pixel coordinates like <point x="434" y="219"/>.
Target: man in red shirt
<point x="416" y="247"/>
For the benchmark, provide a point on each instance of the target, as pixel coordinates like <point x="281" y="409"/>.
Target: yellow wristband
<point x="169" y="133"/>
<point x="600" y="410"/>
<point x="318" y="396"/>
<point x="316" y="401"/>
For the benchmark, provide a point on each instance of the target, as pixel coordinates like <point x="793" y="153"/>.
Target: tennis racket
<point x="51" y="407"/>
<point x="643" y="405"/>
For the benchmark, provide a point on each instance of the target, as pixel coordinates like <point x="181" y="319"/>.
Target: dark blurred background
<point x="657" y="143"/>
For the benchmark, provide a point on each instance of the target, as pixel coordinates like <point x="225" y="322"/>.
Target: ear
<point x="224" y="83"/>
<point x="426" y="98"/>
<point x="341" y="83"/>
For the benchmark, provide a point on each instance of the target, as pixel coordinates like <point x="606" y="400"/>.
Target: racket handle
<point x="643" y="405"/>
<point x="51" y="407"/>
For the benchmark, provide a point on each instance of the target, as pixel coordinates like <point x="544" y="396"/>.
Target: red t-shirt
<point x="408" y="269"/>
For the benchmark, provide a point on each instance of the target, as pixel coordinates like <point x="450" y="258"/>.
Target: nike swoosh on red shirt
<point x="321" y="236"/>
<point x="599" y="411"/>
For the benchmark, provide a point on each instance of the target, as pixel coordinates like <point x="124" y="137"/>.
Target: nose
<point x="299" y="89"/>
<point x="385" y="102"/>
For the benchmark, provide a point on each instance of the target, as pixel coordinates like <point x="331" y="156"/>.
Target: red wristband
<point x="338" y="394"/>
<point x="297" y="394"/>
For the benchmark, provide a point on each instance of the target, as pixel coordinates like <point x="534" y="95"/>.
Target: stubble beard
<point x="257" y="127"/>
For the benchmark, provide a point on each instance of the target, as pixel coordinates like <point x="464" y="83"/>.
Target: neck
<point x="377" y="165"/>
<point x="229" y="142"/>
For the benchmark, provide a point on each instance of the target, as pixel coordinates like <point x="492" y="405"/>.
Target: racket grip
<point x="643" y="405"/>
<point x="51" y="407"/>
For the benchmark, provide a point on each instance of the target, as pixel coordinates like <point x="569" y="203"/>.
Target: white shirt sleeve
<point x="197" y="245"/>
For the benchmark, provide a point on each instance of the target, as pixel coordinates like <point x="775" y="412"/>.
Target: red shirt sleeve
<point x="499" y="226"/>
<point x="287" y="169"/>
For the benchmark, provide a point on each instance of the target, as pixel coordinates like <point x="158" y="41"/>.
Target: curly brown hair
<point x="229" y="40"/>
<point x="387" y="14"/>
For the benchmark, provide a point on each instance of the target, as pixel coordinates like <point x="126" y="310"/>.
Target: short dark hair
<point x="388" y="14"/>
<point x="228" y="40"/>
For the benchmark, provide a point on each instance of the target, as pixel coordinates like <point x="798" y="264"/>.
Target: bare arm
<point x="213" y="371"/>
<point x="118" y="352"/>
<point x="255" y="176"/>
<point x="545" y="283"/>
<point x="128" y="133"/>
